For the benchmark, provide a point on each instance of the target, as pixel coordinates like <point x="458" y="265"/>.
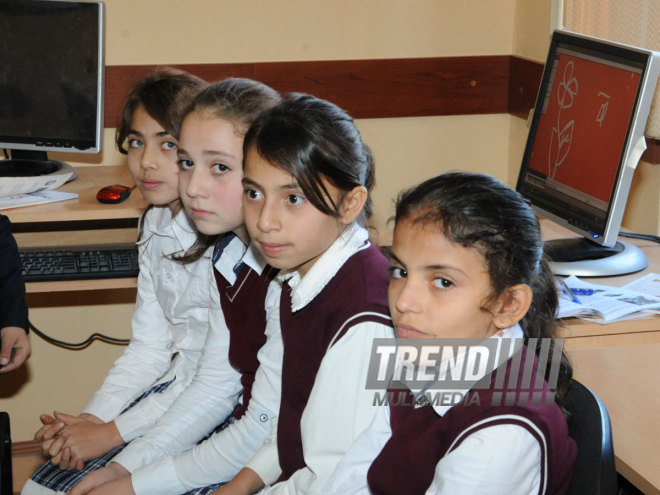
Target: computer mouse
<point x="114" y="194"/>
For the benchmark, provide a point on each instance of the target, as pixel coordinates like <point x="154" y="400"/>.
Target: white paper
<point x="35" y="198"/>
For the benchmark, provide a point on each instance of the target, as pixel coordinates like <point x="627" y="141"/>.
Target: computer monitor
<point x="585" y="140"/>
<point x="51" y="87"/>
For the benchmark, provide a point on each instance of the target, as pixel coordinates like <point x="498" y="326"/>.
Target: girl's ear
<point x="352" y="204"/>
<point x="512" y="305"/>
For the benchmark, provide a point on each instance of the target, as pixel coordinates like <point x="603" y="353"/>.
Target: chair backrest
<point x="6" y="480"/>
<point x="589" y="425"/>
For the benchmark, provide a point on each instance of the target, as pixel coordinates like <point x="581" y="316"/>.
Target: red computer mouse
<point x="114" y="194"/>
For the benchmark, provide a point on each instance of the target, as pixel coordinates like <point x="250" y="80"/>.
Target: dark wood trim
<point x="25" y="448"/>
<point x="524" y="79"/>
<point x="380" y="88"/>
<point x="364" y="88"/>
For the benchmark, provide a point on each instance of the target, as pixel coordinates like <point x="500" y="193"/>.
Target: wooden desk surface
<point x="583" y="334"/>
<point x="625" y="378"/>
<point x="86" y="207"/>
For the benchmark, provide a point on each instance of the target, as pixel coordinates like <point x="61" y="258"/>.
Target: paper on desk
<point x="607" y="304"/>
<point x="648" y="284"/>
<point x="35" y="198"/>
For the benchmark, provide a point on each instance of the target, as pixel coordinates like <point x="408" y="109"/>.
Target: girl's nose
<point x="196" y="186"/>
<point x="407" y="298"/>
<point x="268" y="218"/>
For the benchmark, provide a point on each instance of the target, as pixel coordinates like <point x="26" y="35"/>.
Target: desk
<point x="583" y="334"/>
<point x="625" y="378"/>
<point x="95" y="223"/>
<point x="86" y="207"/>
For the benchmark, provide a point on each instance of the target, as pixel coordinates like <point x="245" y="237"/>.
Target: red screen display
<point x="582" y="130"/>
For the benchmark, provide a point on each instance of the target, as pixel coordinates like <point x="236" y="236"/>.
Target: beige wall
<point x="407" y="150"/>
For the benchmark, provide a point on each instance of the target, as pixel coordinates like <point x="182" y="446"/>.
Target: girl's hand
<point x="112" y="479"/>
<point x="51" y="427"/>
<point x="84" y="438"/>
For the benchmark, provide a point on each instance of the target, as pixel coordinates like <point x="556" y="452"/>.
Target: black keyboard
<point x="48" y="264"/>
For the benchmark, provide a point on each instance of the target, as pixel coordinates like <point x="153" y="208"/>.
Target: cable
<point x="647" y="237"/>
<point x="80" y="345"/>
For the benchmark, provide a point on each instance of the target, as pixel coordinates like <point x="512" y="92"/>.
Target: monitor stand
<point x="580" y="257"/>
<point x="28" y="171"/>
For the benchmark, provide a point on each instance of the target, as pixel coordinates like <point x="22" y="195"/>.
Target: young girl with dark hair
<point x="171" y="317"/>
<point x="467" y="262"/>
<point x="307" y="178"/>
<point x="168" y="459"/>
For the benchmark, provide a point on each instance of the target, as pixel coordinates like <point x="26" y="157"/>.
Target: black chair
<point x="589" y="425"/>
<point x="6" y="481"/>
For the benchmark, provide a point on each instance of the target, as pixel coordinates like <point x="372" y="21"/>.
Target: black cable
<point x="80" y="345"/>
<point x="647" y="237"/>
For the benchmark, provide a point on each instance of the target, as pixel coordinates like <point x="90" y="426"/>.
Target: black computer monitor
<point x="585" y="140"/>
<point x="51" y="87"/>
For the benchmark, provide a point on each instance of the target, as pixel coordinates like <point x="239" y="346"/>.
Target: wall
<point x="407" y="150"/>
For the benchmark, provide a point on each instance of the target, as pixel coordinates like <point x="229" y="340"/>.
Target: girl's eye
<point x="185" y="164"/>
<point x="442" y="283"/>
<point x="398" y="272"/>
<point x="220" y="168"/>
<point x="294" y="199"/>
<point x="252" y="195"/>
<point x="169" y="145"/>
<point x="135" y="143"/>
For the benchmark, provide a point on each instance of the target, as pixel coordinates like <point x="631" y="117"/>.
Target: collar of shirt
<point x="230" y="259"/>
<point x="305" y="289"/>
<point x="439" y="406"/>
<point x="178" y="228"/>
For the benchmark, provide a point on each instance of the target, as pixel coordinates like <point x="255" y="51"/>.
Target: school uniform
<point x="329" y="319"/>
<point x="169" y="329"/>
<point x="243" y="279"/>
<point x="477" y="445"/>
<point x="13" y="309"/>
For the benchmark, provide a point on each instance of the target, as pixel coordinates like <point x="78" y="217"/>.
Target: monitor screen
<point x="51" y="84"/>
<point x="587" y="133"/>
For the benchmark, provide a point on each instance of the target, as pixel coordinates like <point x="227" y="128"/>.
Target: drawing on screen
<point x="602" y="111"/>
<point x="560" y="140"/>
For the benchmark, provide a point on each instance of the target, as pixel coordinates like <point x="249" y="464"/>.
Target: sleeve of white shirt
<point x="147" y="356"/>
<point x="350" y="476"/>
<point x="205" y="402"/>
<point x="502" y="459"/>
<point x="220" y="457"/>
<point x="339" y="409"/>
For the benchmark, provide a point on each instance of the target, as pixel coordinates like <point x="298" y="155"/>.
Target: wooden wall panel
<point x="364" y="88"/>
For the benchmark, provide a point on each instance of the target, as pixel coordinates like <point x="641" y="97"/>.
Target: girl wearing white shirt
<point x="307" y="177"/>
<point x="168" y="458"/>
<point x="467" y="263"/>
<point x="171" y="318"/>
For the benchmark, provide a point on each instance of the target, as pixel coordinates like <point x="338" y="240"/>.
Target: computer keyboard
<point x="46" y="264"/>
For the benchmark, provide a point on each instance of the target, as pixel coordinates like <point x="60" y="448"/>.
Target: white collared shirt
<point x="169" y="326"/>
<point x="339" y="406"/>
<point x="502" y="459"/>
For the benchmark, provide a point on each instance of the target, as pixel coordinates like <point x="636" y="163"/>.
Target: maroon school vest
<point x="357" y="292"/>
<point x="243" y="306"/>
<point x="420" y="437"/>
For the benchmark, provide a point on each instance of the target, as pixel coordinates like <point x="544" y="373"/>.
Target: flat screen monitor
<point x="51" y="83"/>
<point x="585" y="140"/>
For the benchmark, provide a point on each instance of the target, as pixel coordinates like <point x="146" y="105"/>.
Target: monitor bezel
<point x="607" y="230"/>
<point x="37" y="145"/>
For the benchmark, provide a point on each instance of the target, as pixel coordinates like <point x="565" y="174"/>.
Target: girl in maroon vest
<point x="238" y="352"/>
<point x="467" y="262"/>
<point x="307" y="178"/>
